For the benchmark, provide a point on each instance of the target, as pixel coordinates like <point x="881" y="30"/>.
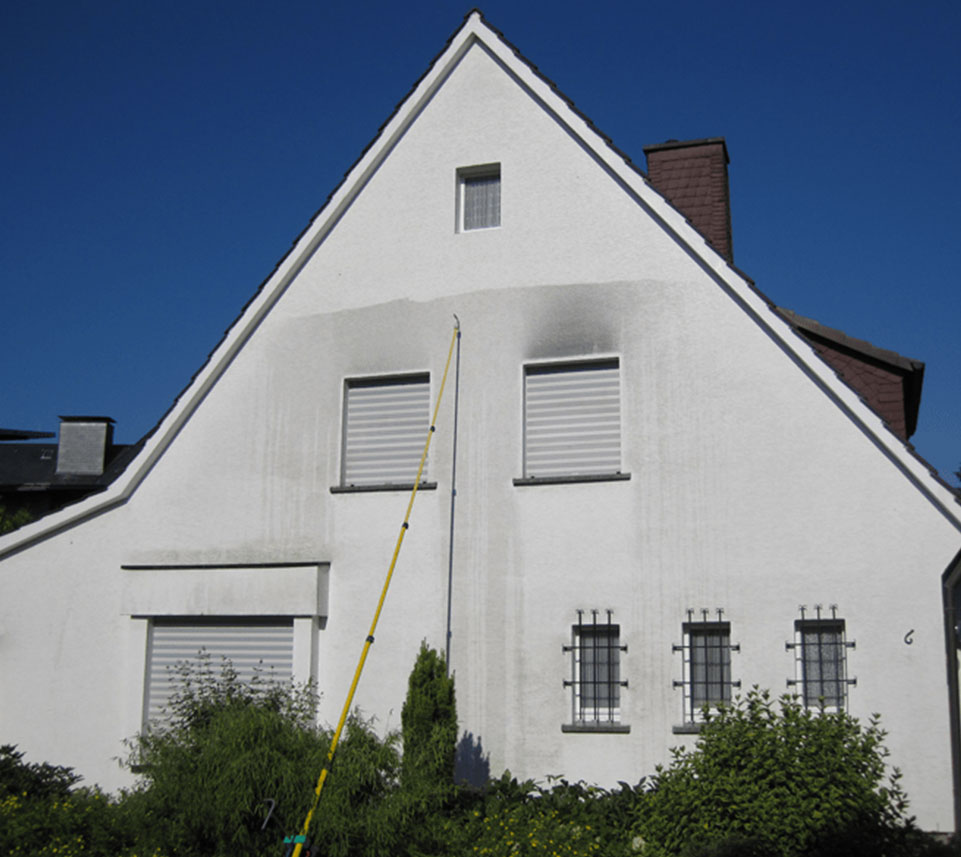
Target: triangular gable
<point x="476" y="31"/>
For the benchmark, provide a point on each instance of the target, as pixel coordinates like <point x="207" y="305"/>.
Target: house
<point x="666" y="492"/>
<point x="43" y="477"/>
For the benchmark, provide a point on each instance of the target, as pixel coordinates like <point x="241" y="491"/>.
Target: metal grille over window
<point x="385" y="424"/>
<point x="572" y="419"/>
<point x="255" y="649"/>
<point x="480" y="192"/>
<point x="820" y="656"/>
<point x="595" y="669"/>
<point x="707" y="651"/>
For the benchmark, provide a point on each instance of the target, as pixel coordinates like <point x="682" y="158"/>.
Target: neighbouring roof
<point x="33" y="467"/>
<point x="887" y="381"/>
<point x="23" y="434"/>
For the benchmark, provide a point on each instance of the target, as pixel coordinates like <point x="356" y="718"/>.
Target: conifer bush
<point x="429" y="727"/>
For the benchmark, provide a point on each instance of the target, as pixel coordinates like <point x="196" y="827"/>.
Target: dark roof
<point x="23" y="434"/>
<point x="887" y="381"/>
<point x="33" y="467"/>
<point x="839" y="337"/>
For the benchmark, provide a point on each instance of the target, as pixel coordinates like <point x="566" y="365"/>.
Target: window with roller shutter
<point x="260" y="649"/>
<point x="572" y="419"/>
<point x="385" y="428"/>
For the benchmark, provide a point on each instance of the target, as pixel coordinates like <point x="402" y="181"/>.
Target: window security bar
<point x="595" y="669"/>
<point x="820" y="649"/>
<point x="706" y="652"/>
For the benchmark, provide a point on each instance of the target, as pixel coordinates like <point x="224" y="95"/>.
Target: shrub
<point x="12" y="519"/>
<point x="42" y="814"/>
<point x="358" y="815"/>
<point x="776" y="782"/>
<point x="560" y="820"/>
<point x="429" y="726"/>
<point x="417" y="809"/>
<point x="228" y="748"/>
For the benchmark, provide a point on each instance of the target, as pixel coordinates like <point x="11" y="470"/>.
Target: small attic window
<point x="478" y="197"/>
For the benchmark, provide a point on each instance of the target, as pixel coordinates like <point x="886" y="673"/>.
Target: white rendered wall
<point x="750" y="489"/>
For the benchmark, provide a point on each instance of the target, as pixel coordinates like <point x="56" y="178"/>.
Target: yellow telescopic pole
<point x="300" y="840"/>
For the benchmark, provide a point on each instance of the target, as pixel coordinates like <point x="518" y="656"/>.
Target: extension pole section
<point x="453" y="497"/>
<point x="300" y="840"/>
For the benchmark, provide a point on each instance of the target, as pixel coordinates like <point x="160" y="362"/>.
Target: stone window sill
<point x="564" y="480"/>
<point x="393" y="486"/>
<point x="617" y="728"/>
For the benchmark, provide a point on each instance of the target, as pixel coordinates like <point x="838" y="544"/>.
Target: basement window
<point x="707" y="680"/>
<point x="595" y="680"/>
<point x="820" y="660"/>
<point x="478" y="197"/>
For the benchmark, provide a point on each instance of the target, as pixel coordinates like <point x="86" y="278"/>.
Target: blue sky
<point x="158" y="159"/>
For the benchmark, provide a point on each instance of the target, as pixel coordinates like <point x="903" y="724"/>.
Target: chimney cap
<point x="85" y="419"/>
<point x="688" y="144"/>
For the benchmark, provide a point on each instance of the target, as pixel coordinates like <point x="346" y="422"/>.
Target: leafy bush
<point x="359" y="814"/>
<point x="776" y="782"/>
<point x="12" y="519"/>
<point x="38" y="780"/>
<point x="41" y="813"/>
<point x="229" y="747"/>
<point x="761" y="782"/>
<point x="561" y="820"/>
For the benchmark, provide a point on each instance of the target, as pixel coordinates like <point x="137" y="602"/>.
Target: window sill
<point x="620" y="728"/>
<point x="563" y="480"/>
<point x="687" y="728"/>
<point x="393" y="486"/>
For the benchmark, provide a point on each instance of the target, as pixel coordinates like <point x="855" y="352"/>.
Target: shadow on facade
<point x="471" y="764"/>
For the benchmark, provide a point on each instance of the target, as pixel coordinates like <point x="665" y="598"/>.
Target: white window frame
<point x="570" y="431"/>
<point x="409" y="422"/>
<point x="189" y="593"/>
<point x="694" y="708"/>
<point x="268" y="657"/>
<point x="466" y="177"/>
<point x="592" y="635"/>
<point x="822" y="656"/>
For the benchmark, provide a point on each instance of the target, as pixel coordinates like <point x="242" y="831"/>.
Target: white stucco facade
<point x="752" y="480"/>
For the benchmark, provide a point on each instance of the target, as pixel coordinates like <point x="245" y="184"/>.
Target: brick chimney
<point x="692" y="175"/>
